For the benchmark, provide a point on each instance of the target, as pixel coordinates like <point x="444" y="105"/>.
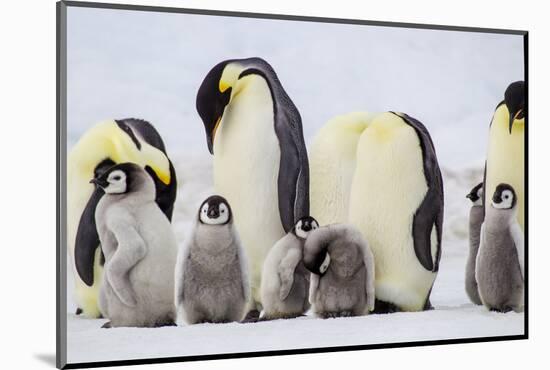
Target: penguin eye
<point x="223" y="210"/>
<point x="506" y="197"/>
<point x="116" y="178"/>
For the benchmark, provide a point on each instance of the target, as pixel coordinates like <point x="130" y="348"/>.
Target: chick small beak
<point x="99" y="182"/>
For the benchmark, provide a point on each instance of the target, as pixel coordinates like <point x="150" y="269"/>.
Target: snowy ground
<point x="453" y="316"/>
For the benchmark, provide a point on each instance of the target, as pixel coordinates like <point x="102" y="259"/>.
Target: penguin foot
<point x="107" y="325"/>
<point x="251" y="316"/>
<point x="333" y="315"/>
<point x="166" y="322"/>
<point x="428" y="305"/>
<point x="78" y="311"/>
<point x="501" y="309"/>
<point x="383" y="307"/>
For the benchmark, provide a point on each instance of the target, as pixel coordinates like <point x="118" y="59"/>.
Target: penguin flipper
<point x="430" y="212"/>
<point x="313" y="285"/>
<point x="293" y="179"/>
<point x="517" y="236"/>
<point x="130" y="250"/>
<point x="87" y="240"/>
<point x="286" y="269"/>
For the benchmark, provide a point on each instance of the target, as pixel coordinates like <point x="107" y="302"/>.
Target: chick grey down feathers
<point x="499" y="271"/>
<point x="346" y="288"/>
<point x="211" y="276"/>
<point x="285" y="280"/>
<point x="140" y="251"/>
<point x="475" y="221"/>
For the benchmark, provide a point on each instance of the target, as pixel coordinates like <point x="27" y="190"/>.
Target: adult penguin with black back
<point x="102" y="146"/>
<point x="506" y="149"/>
<point x="254" y="131"/>
<point x="397" y="202"/>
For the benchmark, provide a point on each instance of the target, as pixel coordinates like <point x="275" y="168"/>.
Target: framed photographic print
<point x="234" y="184"/>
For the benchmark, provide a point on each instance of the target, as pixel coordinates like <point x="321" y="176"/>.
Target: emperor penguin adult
<point x="396" y="201"/>
<point x="332" y="158"/>
<point x="475" y="221"/>
<point x="342" y="271"/>
<point x="506" y="148"/>
<point x="254" y="131"/>
<point x="285" y="280"/>
<point x="140" y="250"/>
<point x="499" y="264"/>
<point x="105" y="144"/>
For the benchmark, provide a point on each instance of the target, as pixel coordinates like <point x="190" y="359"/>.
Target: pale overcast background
<point x="150" y="65"/>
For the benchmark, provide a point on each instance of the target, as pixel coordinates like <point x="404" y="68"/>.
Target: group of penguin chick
<point x="211" y="280"/>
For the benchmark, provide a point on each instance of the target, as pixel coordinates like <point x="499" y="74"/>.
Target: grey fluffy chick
<point x="499" y="265"/>
<point x="140" y="250"/>
<point x="212" y="273"/>
<point x="342" y="266"/>
<point x="476" y="219"/>
<point x="285" y="280"/>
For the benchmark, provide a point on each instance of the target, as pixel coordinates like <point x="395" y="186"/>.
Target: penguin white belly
<point x="246" y="168"/>
<point x="332" y="164"/>
<point x="388" y="187"/>
<point x="79" y="191"/>
<point x="505" y="158"/>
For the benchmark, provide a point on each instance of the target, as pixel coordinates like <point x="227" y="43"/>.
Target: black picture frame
<point x="61" y="159"/>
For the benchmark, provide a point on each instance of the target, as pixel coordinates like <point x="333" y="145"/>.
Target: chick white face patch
<point x="507" y="199"/>
<point x="117" y="183"/>
<point x="325" y="264"/>
<point x="215" y="215"/>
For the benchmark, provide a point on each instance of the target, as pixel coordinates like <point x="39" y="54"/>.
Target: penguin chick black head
<point x="504" y="197"/>
<point x="476" y="194"/>
<point x="514" y="98"/>
<point x="121" y="178"/>
<point x="316" y="257"/>
<point x="304" y="226"/>
<point x="215" y="210"/>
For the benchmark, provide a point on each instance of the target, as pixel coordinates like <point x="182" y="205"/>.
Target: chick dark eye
<point x="223" y="210"/>
<point x="116" y="178"/>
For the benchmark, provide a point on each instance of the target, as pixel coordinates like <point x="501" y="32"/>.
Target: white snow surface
<point x="453" y="317"/>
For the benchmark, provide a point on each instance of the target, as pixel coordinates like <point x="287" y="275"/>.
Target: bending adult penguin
<point x="396" y="201"/>
<point x="255" y="133"/>
<point x="332" y="157"/>
<point x="506" y="148"/>
<point x="102" y="146"/>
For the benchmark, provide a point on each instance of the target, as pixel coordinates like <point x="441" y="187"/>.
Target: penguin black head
<point x="319" y="262"/>
<point x="514" y="98"/>
<point x="304" y="225"/>
<point x="476" y="194"/>
<point x="119" y="179"/>
<point x="212" y="98"/>
<point x="215" y="210"/>
<point x="504" y="197"/>
<point x="218" y="87"/>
